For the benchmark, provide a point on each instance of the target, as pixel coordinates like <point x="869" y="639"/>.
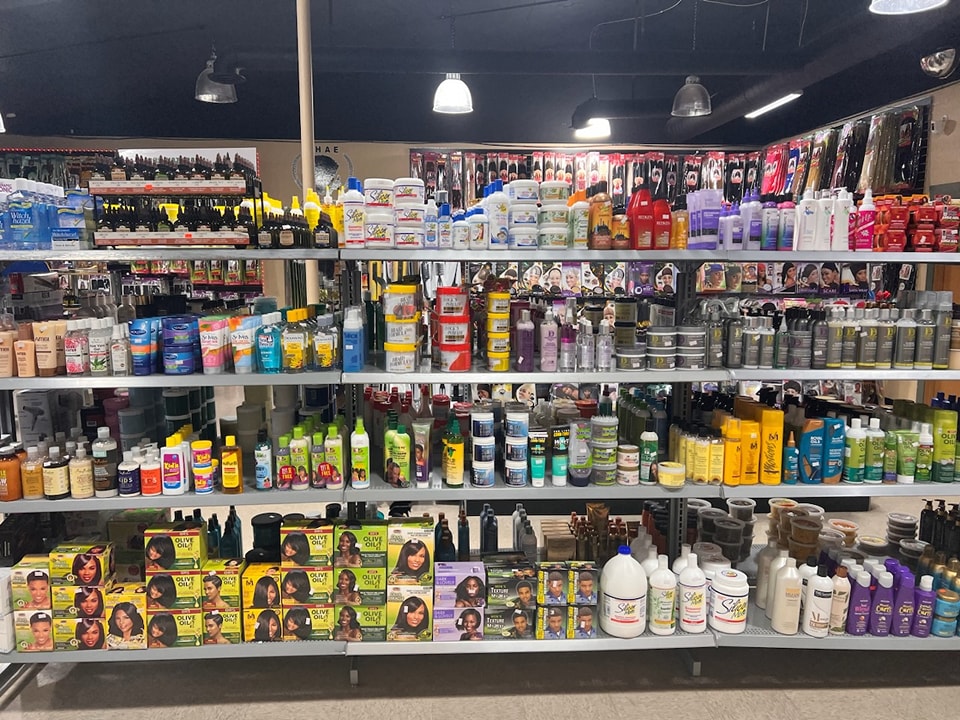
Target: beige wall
<point x="943" y="162"/>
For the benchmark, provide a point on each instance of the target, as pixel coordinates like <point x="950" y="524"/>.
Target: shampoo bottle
<point x="924" y="601"/>
<point x="777" y="564"/>
<point x="791" y="462"/>
<point x="359" y="457"/>
<point x="300" y="459"/>
<point x="903" y="605"/>
<point x="816" y="611"/>
<point x="881" y="615"/>
<point x="840" y="604"/>
<point x="318" y="456"/>
<point x="548" y="343"/>
<point x="128" y="475"/>
<point x="231" y="467"/>
<point x="866" y="219"/>
<point x="693" y="597"/>
<point x="858" y="618"/>
<point x="662" y="594"/>
<point x="263" y="459"/>
<point x="173" y="467"/>
<point x="333" y="451"/>
<point x="764" y="559"/>
<point x="786" y="599"/>
<point x="855" y="453"/>
<point x="525" y="343"/>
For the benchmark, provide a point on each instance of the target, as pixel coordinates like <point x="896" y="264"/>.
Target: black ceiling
<point x="122" y="68"/>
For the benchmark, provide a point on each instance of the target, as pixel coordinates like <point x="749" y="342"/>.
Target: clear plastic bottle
<point x="605" y="348"/>
<point x="56" y="475"/>
<point x="326" y="344"/>
<point x="31" y="475"/>
<point x="121" y="362"/>
<point x="295" y="342"/>
<point x="81" y="475"/>
<point x="586" y="347"/>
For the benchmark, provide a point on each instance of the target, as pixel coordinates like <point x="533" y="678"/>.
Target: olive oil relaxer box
<point x="173" y="547"/>
<point x="307" y="585"/>
<point x="306" y="543"/>
<point x="174" y="628"/>
<point x="222" y="627"/>
<point x="221" y="583"/>
<point x="410" y="551"/>
<point x="360" y="623"/>
<point x="360" y="544"/>
<point x="175" y="591"/>
<point x="308" y="622"/>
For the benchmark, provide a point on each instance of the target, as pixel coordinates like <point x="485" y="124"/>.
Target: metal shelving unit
<point x="374" y="375"/>
<point x="303" y="648"/>
<point x="70" y="382"/>
<point x="845" y="374"/>
<point x="840" y="490"/>
<point x="520" y="254"/>
<point x="168" y="253"/>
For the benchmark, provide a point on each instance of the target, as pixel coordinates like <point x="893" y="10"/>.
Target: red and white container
<point x="452" y="301"/>
<point x="455" y="358"/>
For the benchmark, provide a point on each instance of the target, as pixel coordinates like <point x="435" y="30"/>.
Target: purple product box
<point x="459" y="584"/>
<point x="456" y="624"/>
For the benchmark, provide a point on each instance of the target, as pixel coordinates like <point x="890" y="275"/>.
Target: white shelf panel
<point x="759" y="634"/>
<point x="513" y="255"/>
<point x="381" y="491"/>
<point x="821" y="490"/>
<point x="374" y="375"/>
<point x="168" y="253"/>
<point x="847" y="374"/>
<point x="204" y="652"/>
<point x="69" y="382"/>
<point x="647" y="641"/>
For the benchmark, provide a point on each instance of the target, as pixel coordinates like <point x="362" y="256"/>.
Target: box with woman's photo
<point x="308" y="622"/>
<point x="306" y="585"/>
<point x="222" y="627"/>
<point x="30" y="583"/>
<point x="360" y="544"/>
<point x="454" y="624"/>
<point x="459" y="584"/>
<point x="33" y="630"/>
<point x="306" y="543"/>
<point x="73" y="601"/>
<point x="410" y="551"/>
<point x="260" y="586"/>
<point x="262" y="625"/>
<point x="175" y="591"/>
<point x="125" y="610"/>
<point x="360" y="623"/>
<point x="79" y="634"/>
<point x="512" y="586"/>
<point x="169" y="547"/>
<point x="409" y="613"/>
<point x="360" y="586"/>
<point x="174" y="628"/>
<point x="81" y="564"/>
<point x="221" y="583"/>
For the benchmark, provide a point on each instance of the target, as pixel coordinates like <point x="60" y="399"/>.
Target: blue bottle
<point x="354" y="344"/>
<point x="269" y="349"/>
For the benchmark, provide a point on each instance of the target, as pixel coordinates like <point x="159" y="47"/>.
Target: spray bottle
<point x="866" y="220"/>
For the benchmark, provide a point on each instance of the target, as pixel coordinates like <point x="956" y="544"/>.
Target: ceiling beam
<point x="520" y="62"/>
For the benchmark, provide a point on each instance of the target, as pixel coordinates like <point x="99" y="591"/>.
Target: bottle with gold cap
<point x="231" y="467"/>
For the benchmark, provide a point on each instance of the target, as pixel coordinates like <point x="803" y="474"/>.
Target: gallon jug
<point x="623" y="596"/>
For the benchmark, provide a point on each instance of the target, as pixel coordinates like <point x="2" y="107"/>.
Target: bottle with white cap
<point x="786" y="599"/>
<point x="818" y="604"/>
<point x="651" y="562"/>
<point x="840" y="603"/>
<point x="681" y="561"/>
<point x="623" y="596"/>
<point x="764" y="558"/>
<point x="662" y="593"/>
<point x="693" y="597"/>
<point x="775" y="566"/>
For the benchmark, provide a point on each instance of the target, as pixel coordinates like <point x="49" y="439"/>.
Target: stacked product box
<point x="260" y="600"/>
<point x="554" y="611"/>
<point x="7" y="641"/>
<point x="583" y="590"/>
<point x="410" y="546"/>
<point x="360" y="581"/>
<point x="222" y="623"/>
<point x="32" y="604"/>
<point x="126" y="613"/>
<point x="81" y="574"/>
<point x="125" y="530"/>
<point x="306" y="580"/>
<point x="459" y="598"/>
<point x="511" y="610"/>
<point x="174" y="555"/>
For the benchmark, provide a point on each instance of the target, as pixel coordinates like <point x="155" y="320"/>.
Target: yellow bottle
<point x="679" y="228"/>
<point x="701" y="461"/>
<point x="732" y="453"/>
<point x="311" y="208"/>
<point x="715" y="472"/>
<point x="689" y="457"/>
<point x="750" y="452"/>
<point x="771" y="431"/>
<point x="231" y="467"/>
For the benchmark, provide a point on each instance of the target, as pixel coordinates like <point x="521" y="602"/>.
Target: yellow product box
<point x="360" y="623"/>
<point x="74" y="601"/>
<point x="175" y="591"/>
<point x="360" y="586"/>
<point x="221" y="583"/>
<point x="126" y="529"/>
<point x="410" y="551"/>
<point x="81" y="564"/>
<point x="174" y="628"/>
<point x="306" y="586"/>
<point x="222" y="627"/>
<point x="79" y="634"/>
<point x="30" y="583"/>
<point x="126" y="613"/>
<point x="308" y="622"/>
<point x="33" y="630"/>
<point x="306" y="543"/>
<point x="409" y="613"/>
<point x="262" y="625"/>
<point x="129" y="566"/>
<point x="361" y="544"/>
<point x="174" y="547"/>
<point x="555" y="623"/>
<point x="584" y="582"/>
<point x="260" y="586"/>
<point x="553" y="584"/>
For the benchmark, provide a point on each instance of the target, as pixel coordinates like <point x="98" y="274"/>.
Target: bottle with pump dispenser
<point x="105" y="461"/>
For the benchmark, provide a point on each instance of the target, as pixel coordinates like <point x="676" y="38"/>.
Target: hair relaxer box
<point x="360" y="545"/>
<point x="221" y="582"/>
<point x="306" y="543"/>
<point x="409" y="613"/>
<point x="81" y="564"/>
<point x="360" y="623"/>
<point x="308" y="622"/>
<point x="173" y="547"/>
<point x="260" y="586"/>
<point x="454" y="624"/>
<point x="225" y="623"/>
<point x="174" y="628"/>
<point x="306" y="585"/>
<point x="361" y="586"/>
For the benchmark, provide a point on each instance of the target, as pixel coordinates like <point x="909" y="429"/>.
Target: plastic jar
<point x="579" y="223"/>
<point x="943" y="627"/>
<point x="452" y="302"/>
<point x="948" y="604"/>
<point x="482" y="475"/>
<point x="661" y="360"/>
<point x="400" y="300"/>
<point x="481" y="424"/>
<point x="454" y="358"/>
<point x="625" y="311"/>
<point x="691" y="336"/>
<point x="498" y="304"/>
<point x="628" y="455"/>
<point x="604" y="474"/>
<point x="554" y="191"/>
<point x="408" y="235"/>
<point x="524" y="214"/>
<point x="409" y="214"/>
<point x="498" y="362"/>
<point x="603" y="453"/>
<point x="523" y="237"/>
<point x="498" y="322"/>
<point x="515" y="449"/>
<point x="402" y="331"/>
<point x="408" y="191"/>
<point x="515" y="473"/>
<point x="203" y="479"/>
<point x="690" y="360"/>
<point x="517" y="424"/>
<point x="484" y="449"/>
<point x="661" y="338"/>
<point x="400" y="358"/>
<point x="552" y="236"/>
<point x="454" y="331"/>
<point x="728" y="611"/>
<point x="603" y="428"/>
<point x="179" y="361"/>
<point x="625" y="335"/>
<point x="628" y="474"/>
<point x="378" y="192"/>
<point x="553" y="214"/>
<point x="498" y="343"/>
<point x="671" y="475"/>
<point x="201" y="452"/>
<point x="378" y="229"/>
<point x="523" y="191"/>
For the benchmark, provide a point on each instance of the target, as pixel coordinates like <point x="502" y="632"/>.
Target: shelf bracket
<point x="692" y="660"/>
<point x="354" y="672"/>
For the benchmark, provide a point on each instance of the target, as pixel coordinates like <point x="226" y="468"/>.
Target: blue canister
<point x="947" y="605"/>
<point x="516" y="423"/>
<point x="515" y="450"/>
<point x="482" y="474"/>
<point x="481" y="423"/>
<point x="484" y="450"/>
<point x="943" y="627"/>
<point x="180" y="330"/>
<point x="515" y="474"/>
<point x="179" y="360"/>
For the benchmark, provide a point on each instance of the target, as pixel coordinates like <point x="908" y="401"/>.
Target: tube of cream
<point x="907" y="444"/>
<point x="26" y="358"/>
<point x="45" y="343"/>
<point x="59" y="330"/>
<point x="243" y="335"/>
<point x="421" y="442"/>
<point x="213" y="339"/>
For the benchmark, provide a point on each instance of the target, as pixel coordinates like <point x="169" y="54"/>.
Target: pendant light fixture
<point x="209" y="90"/>
<point x="595" y="129"/>
<point x="691" y="100"/>
<point x="453" y="96"/>
<point x="904" y="7"/>
<point x="940" y="64"/>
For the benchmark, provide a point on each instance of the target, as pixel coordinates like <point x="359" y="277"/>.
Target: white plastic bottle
<point x="807" y="571"/>
<point x="764" y="558"/>
<point x="824" y="219"/>
<point x="445" y="228"/>
<point x="498" y="216"/>
<point x="354" y="228"/>
<point x="844" y="222"/>
<point x="333" y="449"/>
<point x="549" y="337"/>
<point x="651" y="562"/>
<point x="866" y="219"/>
<point x="99" y="344"/>
<point x="431" y="225"/>
<point x="479" y="229"/>
<point x="460" y="233"/>
<point x="623" y="596"/>
<point x="855" y="452"/>
<point x="693" y="597"/>
<point x="681" y="562"/>
<point x="662" y="611"/>
<point x="174" y="467"/>
<point x="816" y="610"/>
<point x="359" y="457"/>
<point x="775" y="565"/>
<point x="805" y="232"/>
<point x="786" y="599"/>
<point x="840" y="603"/>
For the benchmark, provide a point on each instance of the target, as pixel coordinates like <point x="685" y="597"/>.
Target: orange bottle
<point x="10" y="485"/>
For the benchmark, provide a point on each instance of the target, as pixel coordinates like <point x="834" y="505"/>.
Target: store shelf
<point x="647" y="641"/>
<point x="168" y="253"/>
<point x="71" y="382"/>
<point x="204" y="652"/>
<point x="380" y="490"/>
<point x="836" y="256"/>
<point x="187" y="238"/>
<point x="759" y="634"/>
<point x="374" y="375"/>
<point x="532" y="254"/>
<point x="841" y="490"/>
<point x="850" y="374"/>
<point x="168" y="187"/>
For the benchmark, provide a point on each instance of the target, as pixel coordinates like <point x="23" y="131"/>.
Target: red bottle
<point x="641" y="220"/>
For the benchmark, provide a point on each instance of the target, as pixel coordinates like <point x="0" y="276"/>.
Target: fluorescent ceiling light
<point x="596" y="129"/>
<point x="904" y="7"/>
<point x="452" y="96"/>
<point x="773" y="106"/>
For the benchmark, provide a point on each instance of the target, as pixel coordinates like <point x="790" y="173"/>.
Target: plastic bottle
<point x="642" y="220"/>
<point x="824" y="221"/>
<point x="231" y="466"/>
<point x="568" y="341"/>
<point x="843" y="224"/>
<point x="333" y="450"/>
<point x="769" y="224"/>
<point x="662" y="599"/>
<point x="693" y="597"/>
<point x="881" y="614"/>
<point x="31" y="474"/>
<point x="604" y="348"/>
<point x="873" y="465"/>
<point x="99" y="346"/>
<point x="651" y="562"/>
<point x="924" y="601"/>
<point x="263" y="459"/>
<point x="431" y="225"/>
<point x="926" y="341"/>
<point x="623" y="596"/>
<point x="525" y="342"/>
<point x="105" y="459"/>
<point x="903" y="605"/>
<point x="819" y="604"/>
<point x="855" y="454"/>
<point x="840" y="603"/>
<point x="787" y="227"/>
<point x="886" y="338"/>
<point x="128" y="475"/>
<point x="680" y="562"/>
<point x="295" y="342"/>
<point x="76" y="348"/>
<point x="497" y="212"/>
<point x="868" y="341"/>
<point x="460" y="232"/>
<point x="924" y="466"/>
<point x="806" y="222"/>
<point x="300" y="459"/>
<point x="269" y="347"/>
<point x="776" y="565"/>
<point x="858" y="619"/>
<point x="354" y="229"/>
<point x="174" y="467"/>
<point x="807" y="571"/>
<point x="56" y="475"/>
<point x="548" y="343"/>
<point x="317" y="457"/>
<point x="81" y="475"/>
<point x="725" y="228"/>
<point x="786" y="599"/>
<point x="151" y="474"/>
<point x="649" y="454"/>
<point x="354" y="354"/>
<point x="359" y="457"/>
<point x="444" y="228"/>
<point x="866" y="219"/>
<point x="905" y="345"/>
<point x="479" y="229"/>
<point x="121" y="362"/>
<point x="285" y="469"/>
<point x="764" y="558"/>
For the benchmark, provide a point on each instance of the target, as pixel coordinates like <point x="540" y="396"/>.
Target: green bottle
<point x="399" y="473"/>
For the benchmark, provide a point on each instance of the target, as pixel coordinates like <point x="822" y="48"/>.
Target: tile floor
<point x="736" y="683"/>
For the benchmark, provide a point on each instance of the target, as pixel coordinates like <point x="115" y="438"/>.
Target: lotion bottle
<point x="881" y="615"/>
<point x="904" y="605"/>
<point x="819" y="603"/>
<point x="924" y="600"/>
<point x="840" y="603"/>
<point x="548" y="343"/>
<point x="693" y="597"/>
<point x="764" y="559"/>
<point x="858" y="619"/>
<point x="662" y="594"/>
<point x="777" y="564"/>
<point x="786" y="599"/>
